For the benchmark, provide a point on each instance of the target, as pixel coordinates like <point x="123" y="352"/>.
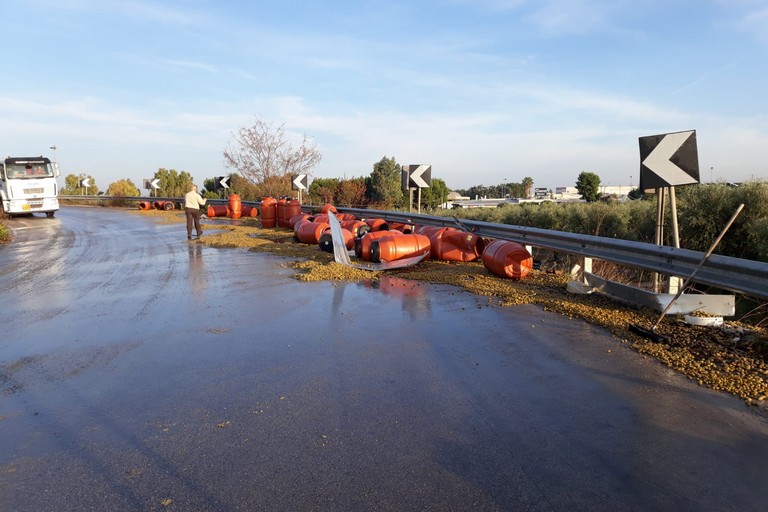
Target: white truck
<point x="28" y="185"/>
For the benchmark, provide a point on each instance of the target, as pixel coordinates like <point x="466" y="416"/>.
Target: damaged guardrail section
<point x="734" y="274"/>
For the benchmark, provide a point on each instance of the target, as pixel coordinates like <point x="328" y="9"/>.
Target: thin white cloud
<point x="757" y="23"/>
<point x="191" y="65"/>
<point x="146" y="10"/>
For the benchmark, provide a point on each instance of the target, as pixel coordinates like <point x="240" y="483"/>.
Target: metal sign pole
<point x="659" y="236"/>
<point x="419" y="205"/>
<point x="674" y="281"/>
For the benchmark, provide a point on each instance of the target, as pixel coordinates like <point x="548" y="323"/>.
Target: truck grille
<point x="34" y="190"/>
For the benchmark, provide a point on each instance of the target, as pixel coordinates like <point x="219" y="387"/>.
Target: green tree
<point x="435" y="195"/>
<point x="384" y="186"/>
<point x="588" y="185"/>
<point x="123" y="188"/>
<point x="120" y="189"/>
<point x="323" y="190"/>
<point x="172" y="183"/>
<point x="516" y="190"/>
<point x="72" y="185"/>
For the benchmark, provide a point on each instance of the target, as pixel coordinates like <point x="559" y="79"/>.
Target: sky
<point x="485" y="91"/>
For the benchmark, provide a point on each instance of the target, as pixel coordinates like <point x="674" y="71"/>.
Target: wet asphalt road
<point x="142" y="372"/>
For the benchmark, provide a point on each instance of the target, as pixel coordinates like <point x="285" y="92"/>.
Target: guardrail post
<point x="584" y="265"/>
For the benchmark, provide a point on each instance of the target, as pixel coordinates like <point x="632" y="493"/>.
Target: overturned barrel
<point x="327" y="207"/>
<point x="296" y="218"/>
<point x="319" y="217"/>
<point x="507" y="259"/>
<point x="268" y="212"/>
<point x="309" y="232"/>
<point x="403" y="228"/>
<point x="217" y="210"/>
<point x="345" y="216"/>
<point x="326" y="240"/>
<point x="250" y="211"/>
<point x="451" y="244"/>
<point x="145" y="205"/>
<point x="391" y="248"/>
<point x="357" y="227"/>
<point x="377" y="224"/>
<point x="363" y="244"/>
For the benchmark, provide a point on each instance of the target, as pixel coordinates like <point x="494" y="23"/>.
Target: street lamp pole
<point x="54" y="152"/>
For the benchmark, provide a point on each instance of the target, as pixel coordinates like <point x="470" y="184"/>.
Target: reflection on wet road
<point x="139" y="371"/>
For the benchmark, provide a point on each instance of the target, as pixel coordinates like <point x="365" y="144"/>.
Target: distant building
<point x="559" y="195"/>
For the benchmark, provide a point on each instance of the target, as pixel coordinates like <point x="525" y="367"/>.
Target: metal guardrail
<point x="725" y="272"/>
<point x="734" y="274"/>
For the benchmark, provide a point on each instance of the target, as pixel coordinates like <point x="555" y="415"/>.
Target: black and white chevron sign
<point x="419" y="175"/>
<point x="668" y="160"/>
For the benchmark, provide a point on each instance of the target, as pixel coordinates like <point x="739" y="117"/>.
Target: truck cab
<point x="28" y="185"/>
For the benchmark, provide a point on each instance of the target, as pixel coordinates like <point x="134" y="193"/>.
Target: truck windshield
<point x="36" y="170"/>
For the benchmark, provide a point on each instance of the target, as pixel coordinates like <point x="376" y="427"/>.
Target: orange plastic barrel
<point x="292" y="208"/>
<point x="235" y="206"/>
<point x="145" y="205"/>
<point x="328" y="208"/>
<point x="357" y="227"/>
<point x="292" y="221"/>
<point x="158" y="205"/>
<point x="268" y="212"/>
<point x="309" y="232"/>
<point x="320" y="217"/>
<point x="391" y="248"/>
<point x="345" y="216"/>
<point x="169" y="205"/>
<point x="377" y="224"/>
<point x="250" y="211"/>
<point x="429" y="231"/>
<point x="282" y="222"/>
<point x="403" y="228"/>
<point x="218" y="210"/>
<point x="363" y="244"/>
<point x="456" y="245"/>
<point x="507" y="259"/>
<point x="326" y="241"/>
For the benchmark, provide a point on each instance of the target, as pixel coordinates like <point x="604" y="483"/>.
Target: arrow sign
<point x="155" y="183"/>
<point x="85" y="182"/>
<point x="419" y="176"/>
<point x="668" y="160"/>
<point x="223" y="181"/>
<point x="299" y="182"/>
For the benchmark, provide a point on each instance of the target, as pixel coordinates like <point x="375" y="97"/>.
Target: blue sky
<point x="483" y="90"/>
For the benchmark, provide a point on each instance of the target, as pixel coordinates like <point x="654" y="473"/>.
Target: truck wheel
<point x="49" y="214"/>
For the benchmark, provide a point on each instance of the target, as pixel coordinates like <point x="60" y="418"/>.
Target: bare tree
<point x="262" y="152"/>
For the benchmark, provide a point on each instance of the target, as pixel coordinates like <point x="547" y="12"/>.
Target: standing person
<point x="192" y="203"/>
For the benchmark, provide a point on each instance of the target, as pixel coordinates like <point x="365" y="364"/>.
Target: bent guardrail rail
<point x="726" y="272"/>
